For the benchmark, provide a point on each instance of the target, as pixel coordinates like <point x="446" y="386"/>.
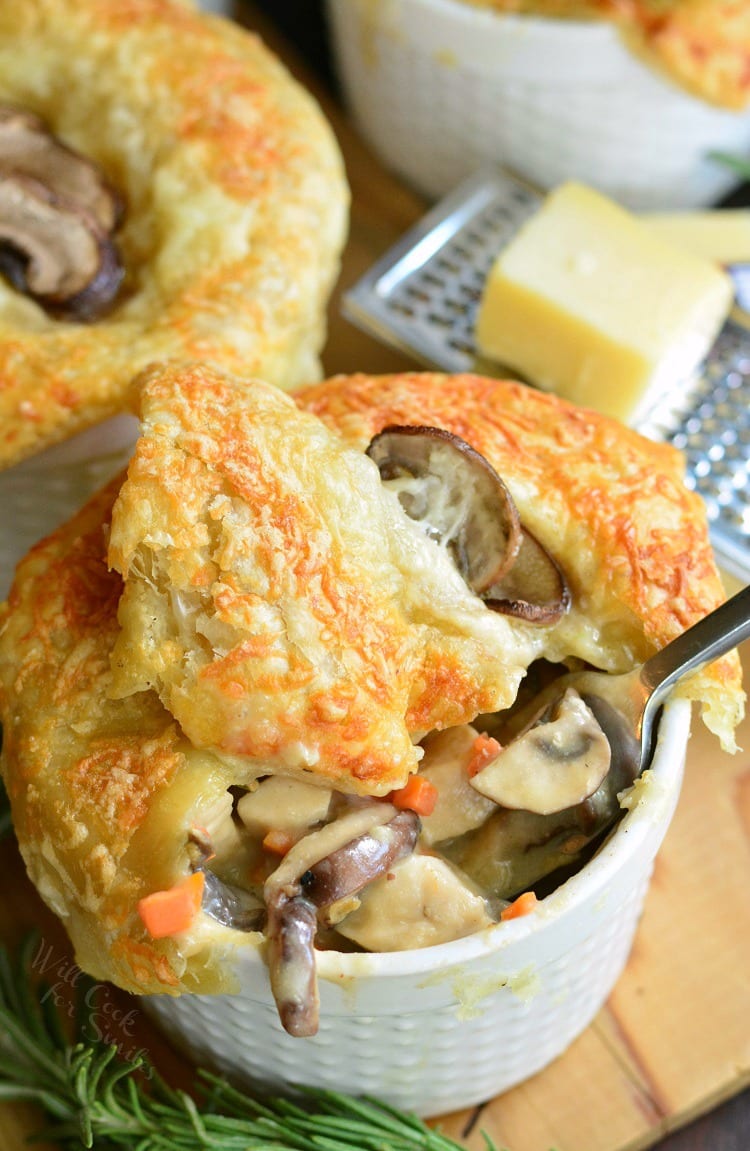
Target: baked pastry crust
<point x="235" y="214"/>
<point x="105" y="786"/>
<point x="280" y="601"/>
<point x="609" y="505"/>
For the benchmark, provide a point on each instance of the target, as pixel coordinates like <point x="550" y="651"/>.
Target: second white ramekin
<point x="440" y="88"/>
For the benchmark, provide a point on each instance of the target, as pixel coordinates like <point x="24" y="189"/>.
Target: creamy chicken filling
<point x="499" y="808"/>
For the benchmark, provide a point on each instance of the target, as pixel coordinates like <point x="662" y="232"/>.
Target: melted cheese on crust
<point x="609" y="505"/>
<point x="236" y="206"/>
<point x="104" y="788"/>
<point x="103" y="791"/>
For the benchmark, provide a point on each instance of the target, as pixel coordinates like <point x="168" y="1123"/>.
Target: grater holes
<point x="706" y="417"/>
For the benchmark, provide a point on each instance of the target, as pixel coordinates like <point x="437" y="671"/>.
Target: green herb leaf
<point x="738" y="164"/>
<point x="94" y="1098"/>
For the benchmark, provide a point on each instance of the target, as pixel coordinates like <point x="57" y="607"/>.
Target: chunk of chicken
<point x="284" y="804"/>
<point x="459" y="807"/>
<point x="421" y="901"/>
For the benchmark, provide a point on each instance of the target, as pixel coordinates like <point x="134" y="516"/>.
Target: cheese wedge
<point x="722" y="235"/>
<point x="589" y="303"/>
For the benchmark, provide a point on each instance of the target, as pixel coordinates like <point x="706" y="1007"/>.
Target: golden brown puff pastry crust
<point x="609" y="505"/>
<point x="280" y="601"/>
<point x="103" y="791"/>
<point x="235" y="205"/>
<point x="105" y="788"/>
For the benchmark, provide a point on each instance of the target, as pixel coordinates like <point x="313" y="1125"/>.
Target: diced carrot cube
<point x="168" y="912"/>
<point x="278" y="842"/>
<point x="521" y="906"/>
<point x="418" y="794"/>
<point x="484" y="750"/>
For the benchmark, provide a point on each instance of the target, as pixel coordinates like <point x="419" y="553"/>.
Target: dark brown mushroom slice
<point x="534" y="588"/>
<point x="456" y="496"/>
<point x="291" y="929"/>
<point x="28" y="148"/>
<point x="295" y="903"/>
<point x="347" y="871"/>
<point x="230" y="905"/>
<point x="53" y="253"/>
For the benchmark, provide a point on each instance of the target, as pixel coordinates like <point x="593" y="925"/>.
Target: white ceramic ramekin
<point x="440" y="88"/>
<point x="446" y="1027"/>
<point x="40" y="493"/>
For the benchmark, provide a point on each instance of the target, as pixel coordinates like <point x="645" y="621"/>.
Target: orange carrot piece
<point x="521" y="906"/>
<point x="169" y="912"/>
<point x="484" y="750"/>
<point x="418" y="794"/>
<point x="278" y="842"/>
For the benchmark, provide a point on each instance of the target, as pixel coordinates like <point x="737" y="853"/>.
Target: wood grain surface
<point x="674" y="1038"/>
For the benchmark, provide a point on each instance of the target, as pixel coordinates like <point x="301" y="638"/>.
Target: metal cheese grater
<point x="421" y="297"/>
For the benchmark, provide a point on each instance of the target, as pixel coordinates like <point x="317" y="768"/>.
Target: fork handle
<point x="709" y="639"/>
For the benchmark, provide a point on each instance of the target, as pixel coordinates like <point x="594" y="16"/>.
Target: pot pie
<point x="704" y="45"/>
<point x="300" y="679"/>
<point x="160" y="169"/>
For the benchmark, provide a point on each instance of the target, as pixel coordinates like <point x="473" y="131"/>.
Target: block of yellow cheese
<point x="722" y="235"/>
<point x="588" y="302"/>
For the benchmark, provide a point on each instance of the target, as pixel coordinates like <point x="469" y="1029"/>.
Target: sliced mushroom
<point x="302" y="887"/>
<point x="455" y="495"/>
<point x="554" y="765"/>
<point x="27" y="148"/>
<point x="534" y="588"/>
<point x="514" y="850"/>
<point x="54" y="253"/>
<point x="291" y="928"/>
<point x="347" y="871"/>
<point x="231" y="905"/>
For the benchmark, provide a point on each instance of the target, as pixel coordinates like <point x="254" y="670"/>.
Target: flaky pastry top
<point x="273" y="567"/>
<point x="235" y="206"/>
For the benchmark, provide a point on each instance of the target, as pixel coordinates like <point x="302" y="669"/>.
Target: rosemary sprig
<point x="93" y="1097"/>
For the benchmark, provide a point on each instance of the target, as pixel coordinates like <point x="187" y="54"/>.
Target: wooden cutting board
<point x="674" y="1038"/>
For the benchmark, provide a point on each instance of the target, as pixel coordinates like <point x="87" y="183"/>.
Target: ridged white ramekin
<point x="440" y="88"/>
<point x="445" y="1027"/>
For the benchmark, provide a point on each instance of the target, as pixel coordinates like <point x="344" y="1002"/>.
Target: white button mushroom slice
<point x="552" y="766"/>
<point x="459" y="807"/>
<point x="325" y="840"/>
<point x="422" y="901"/>
<point x="456" y="496"/>
<point x="285" y="805"/>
